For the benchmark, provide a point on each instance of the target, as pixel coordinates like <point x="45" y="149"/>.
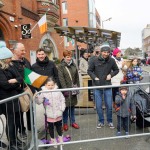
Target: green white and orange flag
<point x="43" y="24"/>
<point x="33" y="78"/>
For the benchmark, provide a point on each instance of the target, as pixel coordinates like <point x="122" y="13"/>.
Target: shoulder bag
<point x="25" y="100"/>
<point x="73" y="92"/>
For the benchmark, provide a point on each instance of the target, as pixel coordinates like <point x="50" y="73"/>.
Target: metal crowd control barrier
<point x="31" y="141"/>
<point x="78" y="136"/>
<point x="146" y="78"/>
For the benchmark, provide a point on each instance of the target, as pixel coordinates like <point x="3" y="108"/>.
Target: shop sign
<point x="26" y="31"/>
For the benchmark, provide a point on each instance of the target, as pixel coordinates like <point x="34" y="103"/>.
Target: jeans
<point x="123" y="122"/>
<point x="107" y="93"/>
<point x="69" y="111"/>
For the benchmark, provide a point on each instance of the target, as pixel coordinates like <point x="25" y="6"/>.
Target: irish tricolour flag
<point x="43" y="24"/>
<point x="34" y="79"/>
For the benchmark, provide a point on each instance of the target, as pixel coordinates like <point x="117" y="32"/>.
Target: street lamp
<point x="105" y="20"/>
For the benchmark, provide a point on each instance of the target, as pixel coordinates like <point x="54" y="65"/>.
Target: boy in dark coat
<point x="125" y="108"/>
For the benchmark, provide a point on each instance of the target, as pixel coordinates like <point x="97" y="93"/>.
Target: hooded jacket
<point x="56" y="102"/>
<point x="127" y="105"/>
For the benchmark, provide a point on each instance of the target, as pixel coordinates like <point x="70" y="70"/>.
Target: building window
<point x="65" y="21"/>
<point x="64" y="7"/>
<point x="92" y="14"/>
<point x="66" y="43"/>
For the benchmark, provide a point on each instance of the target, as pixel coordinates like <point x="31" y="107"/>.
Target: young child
<point x="125" y="108"/>
<point x="54" y="103"/>
<point x="134" y="73"/>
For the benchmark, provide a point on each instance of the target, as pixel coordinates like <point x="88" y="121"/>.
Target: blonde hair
<point x="3" y="64"/>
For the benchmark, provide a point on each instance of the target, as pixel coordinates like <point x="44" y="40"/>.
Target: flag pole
<point x="37" y="22"/>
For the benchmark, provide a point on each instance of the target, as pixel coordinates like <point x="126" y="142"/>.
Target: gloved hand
<point x="46" y="102"/>
<point x="66" y="94"/>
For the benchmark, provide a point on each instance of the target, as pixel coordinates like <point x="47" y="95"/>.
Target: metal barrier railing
<point x="88" y="121"/>
<point x="35" y="144"/>
<point x="4" y="101"/>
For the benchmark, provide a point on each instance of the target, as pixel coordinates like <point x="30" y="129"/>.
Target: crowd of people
<point x="103" y="67"/>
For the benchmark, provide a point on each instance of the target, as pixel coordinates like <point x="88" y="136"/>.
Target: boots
<point x="13" y="146"/>
<point x="16" y="145"/>
<point x="54" y="142"/>
<point x="60" y="139"/>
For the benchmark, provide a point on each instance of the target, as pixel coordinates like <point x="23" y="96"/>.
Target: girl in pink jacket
<point x="54" y="103"/>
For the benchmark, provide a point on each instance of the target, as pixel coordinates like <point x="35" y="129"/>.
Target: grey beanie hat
<point x="105" y="47"/>
<point x="4" y="51"/>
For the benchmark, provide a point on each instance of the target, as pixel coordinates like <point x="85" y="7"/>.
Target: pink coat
<point x="56" y="102"/>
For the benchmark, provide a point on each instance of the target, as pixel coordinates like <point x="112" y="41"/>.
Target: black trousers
<point x="115" y="91"/>
<point x="13" y="121"/>
<point x="58" y="126"/>
<point x="22" y="126"/>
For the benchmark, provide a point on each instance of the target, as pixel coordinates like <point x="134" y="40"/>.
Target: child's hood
<point x="45" y="89"/>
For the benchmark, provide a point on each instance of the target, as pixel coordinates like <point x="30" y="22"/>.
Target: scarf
<point x="118" y="58"/>
<point x="42" y="63"/>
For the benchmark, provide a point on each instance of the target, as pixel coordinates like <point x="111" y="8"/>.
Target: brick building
<point x="78" y="13"/>
<point x="17" y="16"/>
<point x="14" y="14"/>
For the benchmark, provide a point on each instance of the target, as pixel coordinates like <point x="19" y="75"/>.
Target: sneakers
<point x="65" y="127"/>
<point x="100" y="125"/>
<point x="53" y="141"/>
<point x="118" y="134"/>
<point x="111" y="126"/>
<point x="127" y="133"/>
<point x="23" y="135"/>
<point x="75" y="125"/>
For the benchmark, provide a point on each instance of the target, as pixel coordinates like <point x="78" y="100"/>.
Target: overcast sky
<point x="129" y="17"/>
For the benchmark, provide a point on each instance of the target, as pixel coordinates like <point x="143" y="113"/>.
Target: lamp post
<point x="105" y="20"/>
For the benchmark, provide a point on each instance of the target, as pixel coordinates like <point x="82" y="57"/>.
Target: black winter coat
<point x="7" y="90"/>
<point x="100" y="69"/>
<point x="20" y="65"/>
<point x="46" y="68"/>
